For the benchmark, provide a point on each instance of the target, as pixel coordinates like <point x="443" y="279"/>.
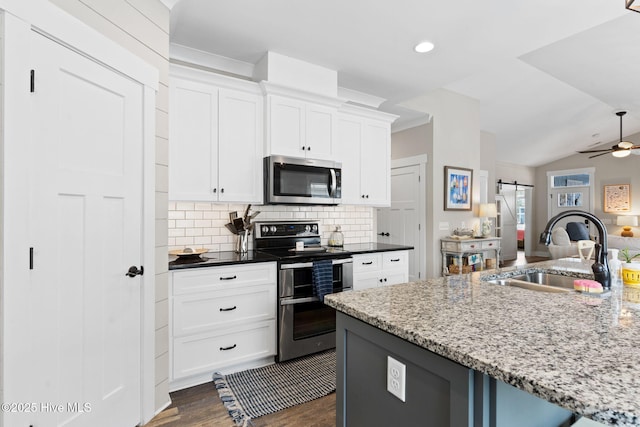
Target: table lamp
<point x="487" y="210"/>
<point x="627" y="222"/>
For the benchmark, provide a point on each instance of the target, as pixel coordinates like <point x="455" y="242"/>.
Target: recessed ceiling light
<point x="424" y="47"/>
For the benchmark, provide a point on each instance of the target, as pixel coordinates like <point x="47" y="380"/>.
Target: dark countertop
<point x="216" y="259"/>
<point x="364" y="248"/>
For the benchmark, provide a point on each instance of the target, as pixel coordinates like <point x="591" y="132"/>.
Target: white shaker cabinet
<point x="215" y="149"/>
<point x="364" y="148"/>
<point x="380" y="269"/>
<point x="298" y="128"/>
<point x="221" y="319"/>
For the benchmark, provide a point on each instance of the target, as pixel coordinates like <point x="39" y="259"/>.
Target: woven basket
<point x="454" y="269"/>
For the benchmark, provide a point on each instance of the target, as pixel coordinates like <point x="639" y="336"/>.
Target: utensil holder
<point x="242" y="244"/>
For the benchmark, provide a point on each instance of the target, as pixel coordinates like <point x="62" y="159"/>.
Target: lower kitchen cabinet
<point x="221" y="319"/>
<point x="437" y="391"/>
<point x="380" y="269"/>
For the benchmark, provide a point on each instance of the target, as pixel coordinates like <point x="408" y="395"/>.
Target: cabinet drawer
<point x="367" y="262"/>
<point x="470" y="246"/>
<point x="207" y="279"/>
<point x="490" y="245"/>
<point x="395" y="260"/>
<point x="451" y="246"/>
<point x="203" y="311"/>
<point x="206" y="353"/>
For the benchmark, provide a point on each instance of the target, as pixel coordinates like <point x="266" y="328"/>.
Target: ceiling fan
<point x="621" y="149"/>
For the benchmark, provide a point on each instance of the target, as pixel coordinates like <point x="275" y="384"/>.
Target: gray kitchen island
<point x="481" y="354"/>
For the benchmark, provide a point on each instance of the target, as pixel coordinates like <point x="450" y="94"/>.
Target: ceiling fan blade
<point x="597" y="155"/>
<point x="595" y="151"/>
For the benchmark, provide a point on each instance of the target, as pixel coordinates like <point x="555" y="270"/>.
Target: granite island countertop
<point x="577" y="351"/>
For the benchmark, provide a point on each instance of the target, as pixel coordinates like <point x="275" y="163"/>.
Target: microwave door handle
<point x="334" y="183"/>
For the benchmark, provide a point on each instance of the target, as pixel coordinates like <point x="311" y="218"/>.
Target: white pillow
<point x="559" y="237"/>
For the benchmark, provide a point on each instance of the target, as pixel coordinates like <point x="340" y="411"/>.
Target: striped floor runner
<point x="257" y="392"/>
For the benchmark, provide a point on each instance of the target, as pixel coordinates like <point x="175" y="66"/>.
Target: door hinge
<point x="418" y="226"/>
<point x="418" y="178"/>
<point x="30" y="258"/>
<point x="32" y="83"/>
<point x="419" y="274"/>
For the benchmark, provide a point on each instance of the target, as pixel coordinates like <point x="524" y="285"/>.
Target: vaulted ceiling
<point x="548" y="74"/>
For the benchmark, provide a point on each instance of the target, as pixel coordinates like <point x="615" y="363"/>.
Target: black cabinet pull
<point x="229" y="309"/>
<point x="367" y="263"/>
<point x="228" y="348"/>
<point x="367" y="196"/>
<point x="222" y="190"/>
<point x="380" y="280"/>
<point x="385" y="279"/>
<point x="304" y="148"/>
<point x="215" y="190"/>
<point x="395" y="260"/>
<point x="308" y="148"/>
<point x="228" y="278"/>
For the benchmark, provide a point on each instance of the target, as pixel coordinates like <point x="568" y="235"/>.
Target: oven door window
<point x="301" y="181"/>
<point x="312" y="319"/>
<point x="303" y="281"/>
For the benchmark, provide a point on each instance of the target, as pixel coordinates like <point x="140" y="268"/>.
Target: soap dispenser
<point x="336" y="238"/>
<point x="614" y="265"/>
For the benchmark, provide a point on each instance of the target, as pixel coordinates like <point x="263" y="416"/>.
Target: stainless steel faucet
<point x="600" y="267"/>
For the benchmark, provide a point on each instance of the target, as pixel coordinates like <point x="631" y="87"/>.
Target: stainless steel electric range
<point x="305" y="324"/>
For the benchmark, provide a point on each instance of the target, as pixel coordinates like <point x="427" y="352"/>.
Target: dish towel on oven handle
<point x="322" y="275"/>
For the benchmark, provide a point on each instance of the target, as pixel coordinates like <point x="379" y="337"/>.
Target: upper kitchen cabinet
<point x="299" y="127"/>
<point x="216" y="134"/>
<point x="364" y="148"/>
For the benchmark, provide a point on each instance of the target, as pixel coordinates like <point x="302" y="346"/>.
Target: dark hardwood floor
<point x="200" y="406"/>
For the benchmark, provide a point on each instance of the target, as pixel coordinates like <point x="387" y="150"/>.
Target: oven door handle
<point x="310" y="264"/>
<point x="294" y="301"/>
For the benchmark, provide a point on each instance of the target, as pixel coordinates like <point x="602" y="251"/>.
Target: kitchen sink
<point x="538" y="281"/>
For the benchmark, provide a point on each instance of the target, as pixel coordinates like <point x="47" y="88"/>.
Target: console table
<point x="470" y="254"/>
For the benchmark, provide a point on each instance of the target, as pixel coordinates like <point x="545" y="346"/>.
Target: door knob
<point x="134" y="271"/>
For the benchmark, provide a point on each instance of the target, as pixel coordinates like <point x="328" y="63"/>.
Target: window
<point x="576" y="180"/>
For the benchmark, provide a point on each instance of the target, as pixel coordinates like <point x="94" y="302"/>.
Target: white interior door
<point x="508" y="225"/>
<point x="399" y="223"/>
<point x="86" y="213"/>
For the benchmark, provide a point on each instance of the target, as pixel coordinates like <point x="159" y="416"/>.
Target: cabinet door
<point x="240" y="147"/>
<point x="375" y="172"/>
<point x="193" y="131"/>
<point x="347" y="151"/>
<point x="286" y="126"/>
<point x="367" y="280"/>
<point x="319" y="132"/>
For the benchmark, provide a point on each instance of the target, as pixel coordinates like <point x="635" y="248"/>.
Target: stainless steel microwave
<point x="290" y="180"/>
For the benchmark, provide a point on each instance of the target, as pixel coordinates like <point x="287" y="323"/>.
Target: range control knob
<point x="314" y="228"/>
<point x="273" y="228"/>
<point x="307" y="228"/>
<point x="264" y="229"/>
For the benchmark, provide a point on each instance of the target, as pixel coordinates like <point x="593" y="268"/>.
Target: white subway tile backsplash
<point x="202" y="224"/>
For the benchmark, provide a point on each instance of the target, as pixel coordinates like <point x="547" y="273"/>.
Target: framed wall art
<point x="458" y="188"/>
<point x="617" y="198"/>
